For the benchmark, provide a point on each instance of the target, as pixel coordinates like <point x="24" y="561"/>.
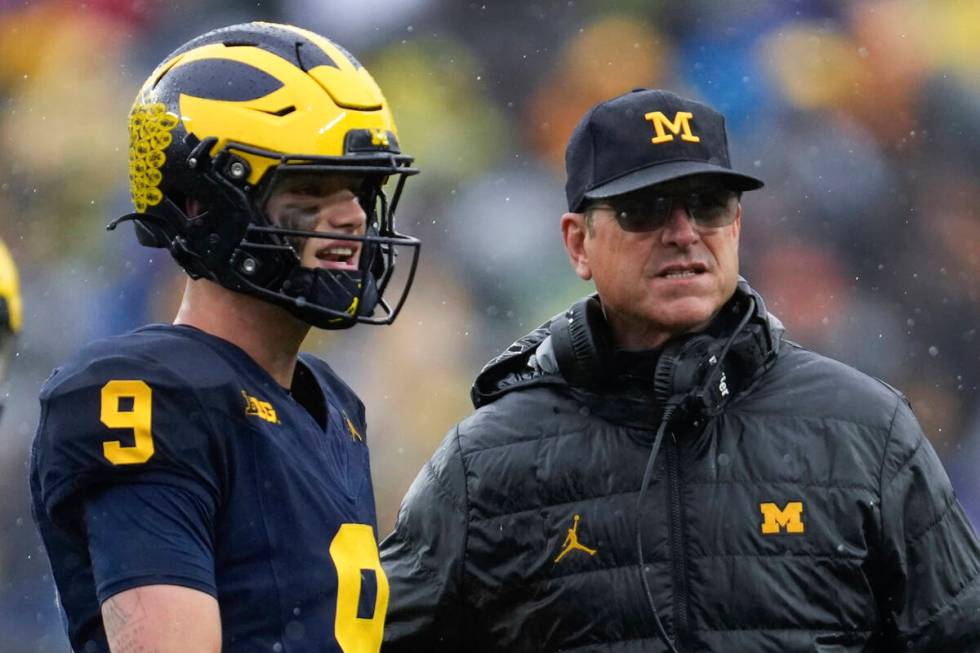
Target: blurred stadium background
<point x="863" y="117"/>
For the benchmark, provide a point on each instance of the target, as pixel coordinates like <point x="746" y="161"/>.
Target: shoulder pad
<point x="114" y="416"/>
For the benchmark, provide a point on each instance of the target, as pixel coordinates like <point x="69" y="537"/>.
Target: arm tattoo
<point x="124" y="624"/>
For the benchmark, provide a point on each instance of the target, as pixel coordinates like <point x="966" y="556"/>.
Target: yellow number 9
<point x="353" y="551"/>
<point x="137" y="419"/>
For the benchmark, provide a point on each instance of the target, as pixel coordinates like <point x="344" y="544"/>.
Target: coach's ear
<point x="575" y="232"/>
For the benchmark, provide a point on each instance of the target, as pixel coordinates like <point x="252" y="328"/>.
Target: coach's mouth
<point x="681" y="271"/>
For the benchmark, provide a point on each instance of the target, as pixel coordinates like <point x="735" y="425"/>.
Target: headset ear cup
<point x="663" y="373"/>
<point x="581" y="342"/>
<point x="681" y="368"/>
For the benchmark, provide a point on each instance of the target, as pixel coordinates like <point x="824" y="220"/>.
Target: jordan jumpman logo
<point x="572" y="543"/>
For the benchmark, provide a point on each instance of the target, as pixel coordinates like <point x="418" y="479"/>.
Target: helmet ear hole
<point x="151" y="235"/>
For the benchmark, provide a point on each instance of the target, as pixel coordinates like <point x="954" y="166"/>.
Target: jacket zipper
<point x="677" y="544"/>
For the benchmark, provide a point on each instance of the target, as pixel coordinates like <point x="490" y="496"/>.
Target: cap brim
<point x="668" y="172"/>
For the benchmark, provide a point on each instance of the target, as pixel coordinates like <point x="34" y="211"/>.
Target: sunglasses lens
<point x="708" y="209"/>
<point x="712" y="209"/>
<point x="643" y="215"/>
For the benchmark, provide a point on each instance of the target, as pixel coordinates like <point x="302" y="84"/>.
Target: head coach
<point x="658" y="469"/>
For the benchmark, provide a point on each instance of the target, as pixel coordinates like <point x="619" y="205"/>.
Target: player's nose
<point x="344" y="215"/>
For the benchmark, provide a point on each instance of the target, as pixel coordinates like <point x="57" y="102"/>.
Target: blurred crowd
<point x="863" y="118"/>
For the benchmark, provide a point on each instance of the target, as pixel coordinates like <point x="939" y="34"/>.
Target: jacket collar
<point x="530" y="362"/>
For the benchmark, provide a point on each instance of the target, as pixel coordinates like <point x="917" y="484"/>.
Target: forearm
<point x="162" y="619"/>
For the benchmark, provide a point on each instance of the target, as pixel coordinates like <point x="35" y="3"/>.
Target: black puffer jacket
<point x="812" y="515"/>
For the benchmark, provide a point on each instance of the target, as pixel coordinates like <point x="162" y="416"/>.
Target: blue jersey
<point x="168" y="456"/>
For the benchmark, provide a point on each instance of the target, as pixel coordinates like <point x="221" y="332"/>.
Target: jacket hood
<point x="530" y="360"/>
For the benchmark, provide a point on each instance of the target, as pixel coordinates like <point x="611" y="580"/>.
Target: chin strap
<point x="148" y="218"/>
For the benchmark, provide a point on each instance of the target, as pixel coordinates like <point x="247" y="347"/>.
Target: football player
<point x="202" y="486"/>
<point x="10" y="312"/>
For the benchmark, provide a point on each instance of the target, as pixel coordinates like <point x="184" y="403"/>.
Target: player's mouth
<point x="339" y="255"/>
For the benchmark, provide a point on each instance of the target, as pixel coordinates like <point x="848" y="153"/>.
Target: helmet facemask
<point x="341" y="292"/>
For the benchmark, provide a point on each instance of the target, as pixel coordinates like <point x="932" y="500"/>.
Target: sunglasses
<point x="707" y="209"/>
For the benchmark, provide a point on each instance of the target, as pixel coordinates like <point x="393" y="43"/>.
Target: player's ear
<point x="575" y="230"/>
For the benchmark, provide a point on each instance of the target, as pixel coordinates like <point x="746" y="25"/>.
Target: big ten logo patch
<point x="258" y="408"/>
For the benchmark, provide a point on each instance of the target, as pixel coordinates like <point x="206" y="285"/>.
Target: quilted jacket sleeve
<point x="423" y="558"/>
<point x="930" y="588"/>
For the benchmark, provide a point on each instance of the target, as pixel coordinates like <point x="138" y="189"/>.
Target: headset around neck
<point x="699" y="373"/>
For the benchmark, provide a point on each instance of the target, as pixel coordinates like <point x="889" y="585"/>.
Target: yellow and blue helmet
<point x="232" y="112"/>
<point x="10" y="309"/>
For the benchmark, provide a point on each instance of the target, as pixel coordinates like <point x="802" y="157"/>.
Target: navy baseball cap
<point x="642" y="138"/>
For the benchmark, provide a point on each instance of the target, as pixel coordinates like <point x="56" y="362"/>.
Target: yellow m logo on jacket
<point x="776" y="520"/>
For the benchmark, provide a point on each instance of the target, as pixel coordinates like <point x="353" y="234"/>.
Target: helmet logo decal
<point x="149" y="135"/>
<point x="379" y="137"/>
<point x="240" y="81"/>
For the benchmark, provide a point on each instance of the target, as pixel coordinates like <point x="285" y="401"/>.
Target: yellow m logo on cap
<point x="679" y="126"/>
<point x="776" y="520"/>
